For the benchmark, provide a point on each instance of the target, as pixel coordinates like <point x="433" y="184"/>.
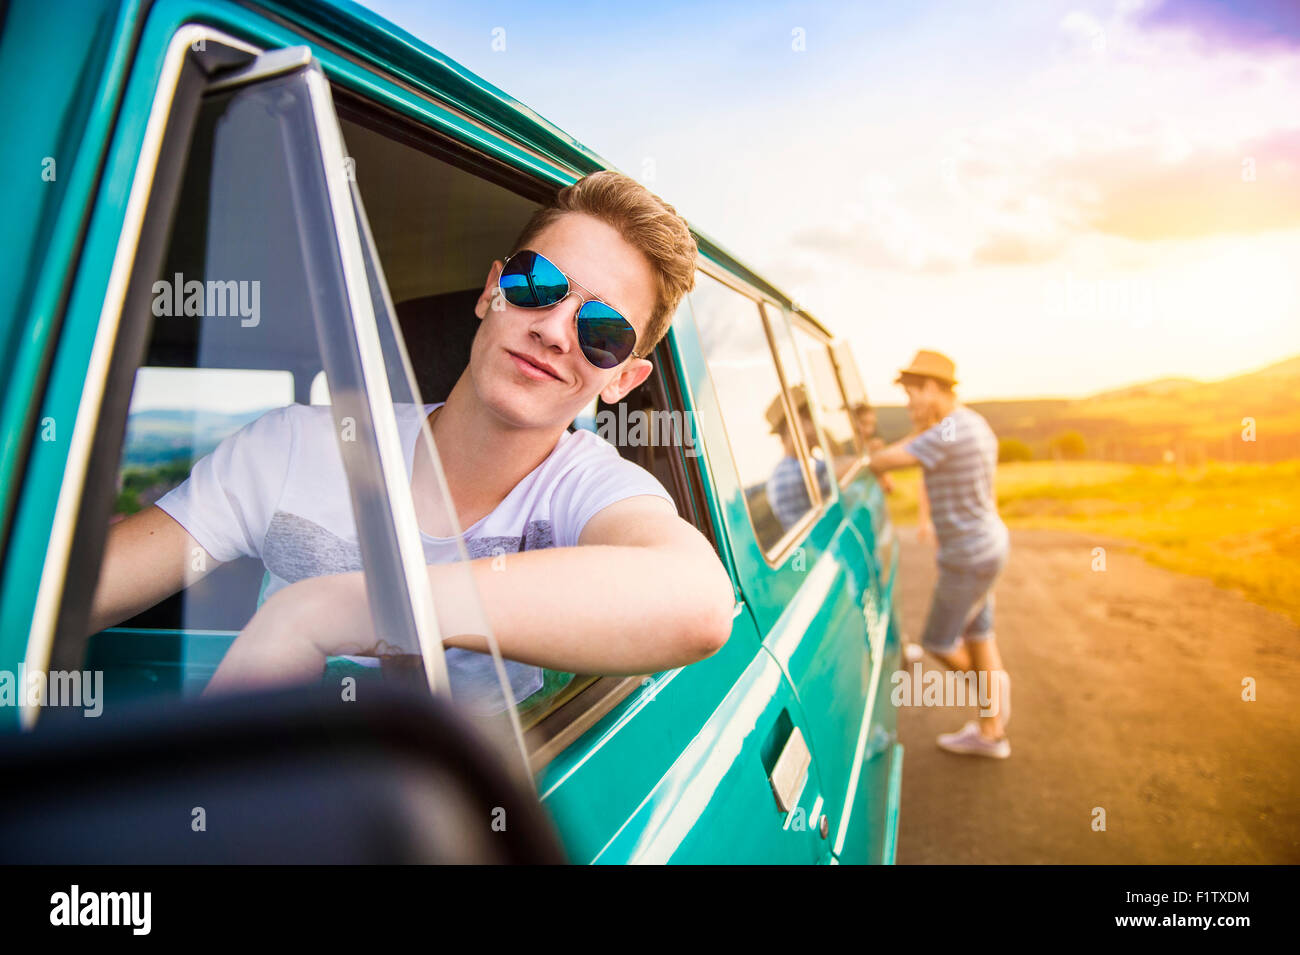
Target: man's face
<point x="510" y="339"/>
<point x="867" y="420"/>
<point x="922" y="402"/>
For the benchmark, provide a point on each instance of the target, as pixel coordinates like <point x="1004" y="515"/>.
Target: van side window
<point x="763" y="444"/>
<point x="846" y="369"/>
<point x="809" y="436"/>
<point x="832" y="405"/>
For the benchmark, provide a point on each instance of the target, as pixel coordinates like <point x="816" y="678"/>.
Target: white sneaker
<point x="969" y="742"/>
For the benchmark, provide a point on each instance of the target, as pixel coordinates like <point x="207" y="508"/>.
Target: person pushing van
<point x="958" y="452"/>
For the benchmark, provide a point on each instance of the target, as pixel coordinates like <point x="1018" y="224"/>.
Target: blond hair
<point x="645" y="222"/>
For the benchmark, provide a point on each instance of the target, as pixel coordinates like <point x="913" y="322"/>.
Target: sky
<point x="1065" y="197"/>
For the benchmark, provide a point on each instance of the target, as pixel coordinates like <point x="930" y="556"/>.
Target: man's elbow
<point x="709" y="626"/>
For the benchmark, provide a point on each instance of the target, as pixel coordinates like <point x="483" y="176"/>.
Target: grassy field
<point x="1237" y="524"/>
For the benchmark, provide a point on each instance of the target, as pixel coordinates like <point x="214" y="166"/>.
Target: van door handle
<point x="791" y="771"/>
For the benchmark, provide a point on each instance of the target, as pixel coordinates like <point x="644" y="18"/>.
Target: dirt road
<point x="1127" y="695"/>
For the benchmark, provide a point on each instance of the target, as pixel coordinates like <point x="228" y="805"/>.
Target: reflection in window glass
<point x="798" y="388"/>
<point x="178" y="415"/>
<point x="749" y="394"/>
<point x="833" y="410"/>
<point x="855" y="395"/>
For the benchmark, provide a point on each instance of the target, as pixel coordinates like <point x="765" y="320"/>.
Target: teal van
<point x="215" y="209"/>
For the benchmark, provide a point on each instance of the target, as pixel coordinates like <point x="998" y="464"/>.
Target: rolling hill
<point x="1178" y="419"/>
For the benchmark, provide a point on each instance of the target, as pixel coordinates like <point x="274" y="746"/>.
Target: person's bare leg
<point x="962" y="659"/>
<point x="957" y="658"/>
<point x="987" y="663"/>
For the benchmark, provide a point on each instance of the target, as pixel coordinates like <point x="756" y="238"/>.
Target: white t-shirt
<point x="276" y="490"/>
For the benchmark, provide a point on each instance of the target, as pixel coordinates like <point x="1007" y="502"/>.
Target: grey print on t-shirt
<point x="296" y="548"/>
<point x="537" y="536"/>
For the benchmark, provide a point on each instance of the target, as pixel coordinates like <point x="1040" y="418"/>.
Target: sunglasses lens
<point x="530" y="280"/>
<point x="606" y="336"/>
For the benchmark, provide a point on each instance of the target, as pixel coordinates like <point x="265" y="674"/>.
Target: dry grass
<point x="1237" y="524"/>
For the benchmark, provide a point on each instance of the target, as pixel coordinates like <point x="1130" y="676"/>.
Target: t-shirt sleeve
<point x="227" y="501"/>
<point x="600" y="478"/>
<point x="931" y="446"/>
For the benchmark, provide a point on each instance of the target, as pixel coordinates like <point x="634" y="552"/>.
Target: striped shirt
<point x="960" y="456"/>
<point x="788" y="495"/>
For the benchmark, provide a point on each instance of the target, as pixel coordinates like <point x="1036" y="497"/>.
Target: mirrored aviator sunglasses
<point x="531" y="280"/>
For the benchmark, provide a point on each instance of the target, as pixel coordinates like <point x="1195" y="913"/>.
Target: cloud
<point x="1012" y="248"/>
<point x="1254" y="187"/>
<point x="883" y="232"/>
<point x="1134" y="130"/>
<point x="873" y="247"/>
<point x="1245" y="24"/>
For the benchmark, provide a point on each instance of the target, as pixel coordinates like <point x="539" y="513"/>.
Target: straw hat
<point x="775" y="413"/>
<point x="930" y="364"/>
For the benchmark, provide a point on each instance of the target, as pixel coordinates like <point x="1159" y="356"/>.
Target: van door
<point x="801" y="570"/>
<point x="734" y="776"/>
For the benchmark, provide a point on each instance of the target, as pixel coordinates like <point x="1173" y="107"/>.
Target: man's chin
<point x="524" y="412"/>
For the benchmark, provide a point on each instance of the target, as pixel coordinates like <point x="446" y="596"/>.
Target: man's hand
<point x="293" y="632"/>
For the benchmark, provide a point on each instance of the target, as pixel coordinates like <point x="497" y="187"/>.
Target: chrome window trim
<point x="392" y="462"/>
<point x="49" y="593"/>
<point x="715" y="271"/>
<point x="578" y="713"/>
<point x="854" y="472"/>
<point x="266" y="65"/>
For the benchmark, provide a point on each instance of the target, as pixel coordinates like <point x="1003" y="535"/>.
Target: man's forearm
<point x="592" y="609"/>
<point x="891" y="458"/>
<point x="589" y="609"/>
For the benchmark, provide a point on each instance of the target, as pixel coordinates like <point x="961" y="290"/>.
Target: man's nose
<point x="553" y="327"/>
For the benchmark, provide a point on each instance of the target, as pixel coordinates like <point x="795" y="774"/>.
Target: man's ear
<point x="489" y="290"/>
<point x="632" y="374"/>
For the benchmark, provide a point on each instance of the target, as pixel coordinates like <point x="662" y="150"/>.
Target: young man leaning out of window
<point x="607" y="579"/>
